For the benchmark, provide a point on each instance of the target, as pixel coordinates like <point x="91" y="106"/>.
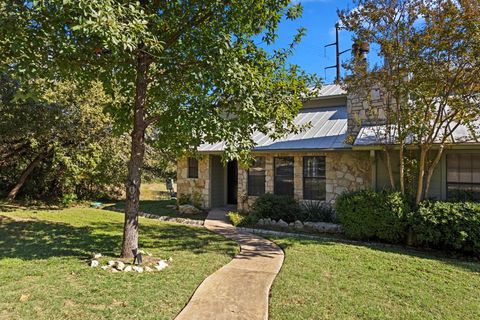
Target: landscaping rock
<point x="111" y="263"/>
<point x="127" y="269"/>
<point x="104" y="267"/>
<point x="273" y="222"/>
<point x="161" y="265"/>
<point x="261" y="222"/>
<point x="148" y="269"/>
<point x="188" y="209"/>
<point x="94" y="263"/>
<point x="282" y="223"/>
<point x="291" y="224"/>
<point x="114" y="270"/>
<point x="298" y="224"/>
<point x="137" y="269"/>
<point x="97" y="255"/>
<point x="120" y="265"/>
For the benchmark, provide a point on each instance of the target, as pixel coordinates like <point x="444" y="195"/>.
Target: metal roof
<point x="375" y="135"/>
<point x="327" y="131"/>
<point x="330" y="90"/>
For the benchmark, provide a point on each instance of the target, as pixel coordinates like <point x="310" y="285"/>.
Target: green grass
<point x="335" y="280"/>
<point x="159" y="208"/>
<point x="43" y="273"/>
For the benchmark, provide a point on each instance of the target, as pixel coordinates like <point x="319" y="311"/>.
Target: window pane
<point x="314" y="183"/>
<point x="314" y="167"/>
<point x="283" y="176"/>
<point x="256" y="177"/>
<point x="463" y="176"/>
<point x="192" y="168"/>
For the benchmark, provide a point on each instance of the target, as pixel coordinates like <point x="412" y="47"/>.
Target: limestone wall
<point x="365" y="109"/>
<point x="345" y="170"/>
<point x="195" y="187"/>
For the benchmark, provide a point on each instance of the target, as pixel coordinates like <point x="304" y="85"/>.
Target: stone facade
<point x="194" y="187"/>
<point x="365" y="109"/>
<point x="345" y="170"/>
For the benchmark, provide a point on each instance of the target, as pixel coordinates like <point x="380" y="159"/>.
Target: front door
<point x="232" y="182"/>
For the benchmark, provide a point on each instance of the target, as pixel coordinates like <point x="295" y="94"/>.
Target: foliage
<point x="68" y="199"/>
<point x="429" y="78"/>
<point x="195" y="199"/>
<point x="448" y="225"/>
<point x="317" y="211"/>
<point x="239" y="219"/>
<point x="192" y="71"/>
<point x="367" y="214"/>
<point x="277" y="207"/>
<point x="68" y="128"/>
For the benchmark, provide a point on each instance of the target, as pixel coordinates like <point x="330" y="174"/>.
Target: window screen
<point x="283" y="176"/>
<point x="314" y="178"/>
<point x="463" y="175"/>
<point x="192" y="168"/>
<point x="256" y="177"/>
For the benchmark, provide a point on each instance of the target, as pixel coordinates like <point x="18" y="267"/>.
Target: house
<point x="318" y="163"/>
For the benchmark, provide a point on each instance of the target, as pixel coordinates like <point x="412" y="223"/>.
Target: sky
<point x="319" y="18"/>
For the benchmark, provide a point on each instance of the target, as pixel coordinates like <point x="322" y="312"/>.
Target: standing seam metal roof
<point x="328" y="131"/>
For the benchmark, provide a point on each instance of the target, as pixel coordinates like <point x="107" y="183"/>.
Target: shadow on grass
<point x="38" y="239"/>
<point x="463" y="262"/>
<point x="159" y="208"/>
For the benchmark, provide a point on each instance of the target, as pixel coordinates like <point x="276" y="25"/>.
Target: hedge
<point x="367" y="214"/>
<point x="451" y="225"/>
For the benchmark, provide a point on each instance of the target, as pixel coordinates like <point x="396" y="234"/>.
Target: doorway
<point x="232" y="181"/>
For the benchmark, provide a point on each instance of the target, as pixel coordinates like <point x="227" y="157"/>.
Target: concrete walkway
<point x="240" y="289"/>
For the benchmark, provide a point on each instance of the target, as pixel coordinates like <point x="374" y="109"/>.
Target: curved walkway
<point x="240" y="289"/>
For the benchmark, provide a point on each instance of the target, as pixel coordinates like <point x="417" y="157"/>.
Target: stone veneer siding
<point x="345" y="170"/>
<point x="200" y="186"/>
<point x="365" y="109"/>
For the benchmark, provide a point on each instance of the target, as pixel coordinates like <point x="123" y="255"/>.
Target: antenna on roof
<point x="337" y="54"/>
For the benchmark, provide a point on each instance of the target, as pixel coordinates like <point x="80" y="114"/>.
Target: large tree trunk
<point x="130" y="229"/>
<point x="23" y="177"/>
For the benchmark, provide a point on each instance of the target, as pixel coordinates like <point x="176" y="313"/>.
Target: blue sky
<point x="319" y="17"/>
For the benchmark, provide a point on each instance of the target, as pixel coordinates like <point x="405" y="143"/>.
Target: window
<point x="314" y="178"/>
<point x="256" y="177"/>
<point x="192" y="168"/>
<point x="283" y="176"/>
<point x="463" y="176"/>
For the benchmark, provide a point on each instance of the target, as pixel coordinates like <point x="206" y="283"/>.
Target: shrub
<point x="194" y="199"/>
<point x="68" y="199"/>
<point x="367" y="214"/>
<point x="277" y="207"/>
<point x="317" y="211"/>
<point x="447" y="225"/>
<point x="240" y="218"/>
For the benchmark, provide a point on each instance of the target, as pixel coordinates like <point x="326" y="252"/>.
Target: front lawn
<point x="43" y="274"/>
<point x="335" y="280"/>
<point x="159" y="208"/>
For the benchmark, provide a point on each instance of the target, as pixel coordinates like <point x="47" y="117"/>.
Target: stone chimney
<point x="364" y="109"/>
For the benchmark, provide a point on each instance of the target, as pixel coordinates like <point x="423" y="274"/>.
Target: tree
<point x="430" y="74"/>
<point x="192" y="70"/>
<point x="61" y="144"/>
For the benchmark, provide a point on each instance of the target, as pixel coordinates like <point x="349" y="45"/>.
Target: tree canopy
<point x="431" y="63"/>
<point x="192" y="70"/>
